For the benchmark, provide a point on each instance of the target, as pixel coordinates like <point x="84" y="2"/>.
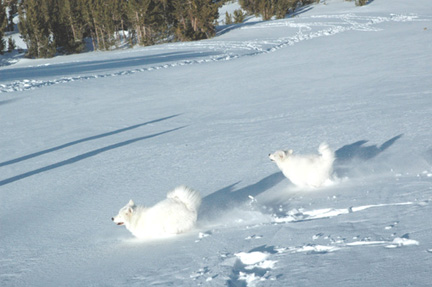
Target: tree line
<point x="63" y="26"/>
<point x="49" y="27"/>
<point x="268" y="9"/>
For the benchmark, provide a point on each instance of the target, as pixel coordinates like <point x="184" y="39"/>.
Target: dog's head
<point x="125" y="213"/>
<point x="280" y="155"/>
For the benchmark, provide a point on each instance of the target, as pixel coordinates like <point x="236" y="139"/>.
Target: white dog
<point x="175" y="214"/>
<point x="306" y="170"/>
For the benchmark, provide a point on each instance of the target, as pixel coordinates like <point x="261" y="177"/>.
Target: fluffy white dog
<point x="306" y="170"/>
<point x="175" y="214"/>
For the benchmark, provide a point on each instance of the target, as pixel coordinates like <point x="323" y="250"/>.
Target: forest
<point x="51" y="27"/>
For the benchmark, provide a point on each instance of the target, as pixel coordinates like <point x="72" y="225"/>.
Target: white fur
<point x="306" y="170"/>
<point x="175" y="214"/>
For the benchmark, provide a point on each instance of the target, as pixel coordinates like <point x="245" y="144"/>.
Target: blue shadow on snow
<point x="81" y="157"/>
<point x="84" y="67"/>
<point x="36" y="154"/>
<point x="357" y="150"/>
<point x="227" y="197"/>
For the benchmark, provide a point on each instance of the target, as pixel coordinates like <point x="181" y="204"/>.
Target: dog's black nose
<point x="112" y="218"/>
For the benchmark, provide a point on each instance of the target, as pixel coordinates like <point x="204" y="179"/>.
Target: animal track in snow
<point x="254" y="237"/>
<point x="217" y="49"/>
<point x="202" y="235"/>
<point x="253" y="266"/>
<point x="298" y="215"/>
<point x="310" y="249"/>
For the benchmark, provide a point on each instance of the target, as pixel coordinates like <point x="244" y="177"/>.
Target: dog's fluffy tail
<point x="326" y="152"/>
<point x="191" y="198"/>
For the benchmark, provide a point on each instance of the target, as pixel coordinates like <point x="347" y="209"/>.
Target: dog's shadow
<point x="228" y="198"/>
<point x="358" y="152"/>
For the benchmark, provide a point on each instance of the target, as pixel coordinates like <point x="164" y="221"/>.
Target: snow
<point x="83" y="134"/>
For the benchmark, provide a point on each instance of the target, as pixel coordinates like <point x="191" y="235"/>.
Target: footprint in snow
<point x="252" y="267"/>
<point x="391" y="225"/>
<point x="254" y="237"/>
<point x="202" y="235"/>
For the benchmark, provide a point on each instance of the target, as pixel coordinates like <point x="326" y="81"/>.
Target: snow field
<point x="83" y="134"/>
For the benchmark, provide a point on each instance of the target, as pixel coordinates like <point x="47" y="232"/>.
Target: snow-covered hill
<point x="83" y="134"/>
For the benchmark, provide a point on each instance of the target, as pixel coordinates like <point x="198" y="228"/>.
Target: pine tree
<point x="285" y="6"/>
<point x="120" y="18"/>
<point x="87" y="21"/>
<point x="239" y="16"/>
<point x="34" y="27"/>
<point x="11" y="45"/>
<point x="269" y="8"/>
<point x="3" y="23"/>
<point x="13" y="9"/>
<point x="250" y="6"/>
<point x="361" y="2"/>
<point x="147" y="20"/>
<point x="195" y="19"/>
<point x="68" y="26"/>
<point x="228" y="18"/>
<point x="97" y="17"/>
<point x="167" y="27"/>
<point x="98" y="22"/>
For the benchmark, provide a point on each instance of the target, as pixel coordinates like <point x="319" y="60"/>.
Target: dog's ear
<point x="131" y="203"/>
<point x="281" y="155"/>
<point x="289" y="152"/>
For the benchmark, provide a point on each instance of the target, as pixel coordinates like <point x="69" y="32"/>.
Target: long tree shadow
<point x="227" y="197"/>
<point x="358" y="151"/>
<point x="83" y="67"/>
<point x="36" y="154"/>
<point x="82" y="157"/>
<point x="4" y="102"/>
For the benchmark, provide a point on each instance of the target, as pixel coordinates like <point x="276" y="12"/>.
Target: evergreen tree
<point x="361" y="2"/>
<point x="120" y="18"/>
<point x="13" y="9"/>
<point x="269" y="8"/>
<point x="285" y="6"/>
<point x="3" y="23"/>
<point x="195" y="19"/>
<point x="97" y="10"/>
<point x="239" y="16"/>
<point x="146" y="18"/>
<point x="34" y="27"/>
<point x="87" y="21"/>
<point x="11" y="45"/>
<point x="67" y="26"/>
<point x="98" y="22"/>
<point x="228" y="18"/>
<point x="168" y="18"/>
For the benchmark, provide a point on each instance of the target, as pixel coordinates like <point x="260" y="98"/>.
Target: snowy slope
<point x="83" y="134"/>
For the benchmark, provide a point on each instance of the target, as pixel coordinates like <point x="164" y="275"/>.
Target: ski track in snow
<point x="308" y="28"/>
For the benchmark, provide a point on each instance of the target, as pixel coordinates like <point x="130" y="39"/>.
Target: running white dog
<point x="175" y="214"/>
<point x="306" y="170"/>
